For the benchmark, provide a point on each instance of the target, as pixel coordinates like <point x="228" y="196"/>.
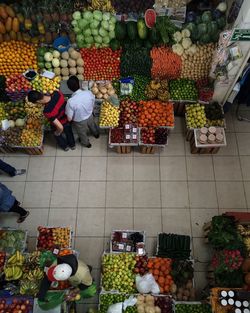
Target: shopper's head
<point x="35" y="97"/>
<point x="73" y="83"/>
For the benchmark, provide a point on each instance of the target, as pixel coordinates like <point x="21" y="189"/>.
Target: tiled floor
<point x="96" y="190"/>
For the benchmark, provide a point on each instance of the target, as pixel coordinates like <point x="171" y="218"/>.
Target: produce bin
<point x="124" y="235"/>
<point x="69" y="244"/>
<point x="150" y="148"/>
<point x="16" y="240"/>
<point x="22" y="300"/>
<point x="204" y="307"/>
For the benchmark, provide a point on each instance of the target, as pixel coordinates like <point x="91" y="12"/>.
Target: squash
<point x="8" y="24"/>
<point x="15" y="25"/>
<point x="3" y="13"/>
<point x="247" y="279"/>
<point x="2" y="28"/>
<point x="9" y="11"/>
<point x="246" y="265"/>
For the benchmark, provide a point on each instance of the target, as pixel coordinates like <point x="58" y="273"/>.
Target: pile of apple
<point x="17" y="87"/>
<point x="141" y="266"/>
<point x="118" y="272"/>
<point x="195" y="115"/>
<point x="52" y="237"/>
<point x="129" y="112"/>
<point x="18" y="305"/>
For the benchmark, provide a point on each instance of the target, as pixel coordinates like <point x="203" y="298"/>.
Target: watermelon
<point x="150" y="18"/>
<point x="120" y="30"/>
<point x="154" y="36"/>
<point x="114" y="44"/>
<point x="132" y="30"/>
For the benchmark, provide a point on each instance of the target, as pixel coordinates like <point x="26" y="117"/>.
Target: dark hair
<point x="73" y="83"/>
<point x="34" y="96"/>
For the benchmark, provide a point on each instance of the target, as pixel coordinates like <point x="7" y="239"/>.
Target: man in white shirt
<point x="79" y="110"/>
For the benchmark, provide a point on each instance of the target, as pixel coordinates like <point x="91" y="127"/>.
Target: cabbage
<point x="80" y="37"/>
<point x="106" y="16"/>
<point x="97" y="15"/>
<point x="98" y="39"/>
<point x="82" y="23"/>
<point x="111" y="34"/>
<point x="87" y="15"/>
<point x="106" y="40"/>
<point x="77" y="15"/>
<point x="105" y="25"/>
<point x="94" y="32"/>
<point x="113" y="19"/>
<point x="87" y="32"/>
<point x="77" y="30"/>
<point x="94" y="24"/>
<point x="89" y="39"/>
<point x="74" y="23"/>
<point x="105" y="45"/>
<point x="111" y="26"/>
<point x="103" y="32"/>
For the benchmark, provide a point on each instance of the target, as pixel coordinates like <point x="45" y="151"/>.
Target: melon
<point x="150" y="18"/>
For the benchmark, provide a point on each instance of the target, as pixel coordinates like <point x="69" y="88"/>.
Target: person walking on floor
<point x="79" y="109"/>
<point x="54" y="111"/>
<point x="8" y="169"/>
<point x="9" y="204"/>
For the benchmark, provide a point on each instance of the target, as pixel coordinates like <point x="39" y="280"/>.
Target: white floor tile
<point x="70" y="153"/>
<point x="64" y="194"/>
<point x="174" y="194"/>
<point x="231" y="195"/>
<point x="245" y="167"/>
<point x="149" y="220"/>
<point x="37" y="194"/>
<point x="17" y="162"/>
<point x="200" y="168"/>
<point x="37" y="217"/>
<point x="62" y="217"/>
<point x="121" y="218"/>
<point x="199" y="217"/>
<point x="147" y="194"/>
<point x="92" y="194"/>
<point x="227" y="168"/>
<point x="41" y="169"/>
<point x="67" y="168"/>
<point x="146" y="169"/>
<point x="181" y="218"/>
<point x="173" y="168"/>
<point x="119" y="169"/>
<point x="202" y="195"/>
<point x="243" y="140"/>
<point x="119" y="195"/>
<point x="231" y="148"/>
<point x="94" y="168"/>
<point x="99" y="147"/>
<point x="90" y="222"/>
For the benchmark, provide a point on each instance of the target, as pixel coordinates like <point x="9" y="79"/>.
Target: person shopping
<point x="79" y="109"/>
<point x="9" y="204"/>
<point x="54" y="111"/>
<point x="8" y="169"/>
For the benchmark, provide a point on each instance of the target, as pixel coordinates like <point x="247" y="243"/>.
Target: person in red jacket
<point x="54" y="111"/>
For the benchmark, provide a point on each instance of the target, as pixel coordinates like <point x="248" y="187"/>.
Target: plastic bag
<point x="126" y="86"/>
<point x="146" y="284"/>
<point x="121" y="306"/>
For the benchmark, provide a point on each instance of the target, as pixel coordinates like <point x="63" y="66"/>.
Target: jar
<point x="245" y="304"/>
<point x="203" y="139"/>
<point x="204" y="130"/>
<point x="238" y="304"/>
<point x="223" y="293"/>
<point x="211" y="139"/>
<point x="219" y="138"/>
<point x="231" y="293"/>
<point x="212" y="130"/>
<point x="231" y="301"/>
<point x="238" y="310"/>
<point x="223" y="302"/>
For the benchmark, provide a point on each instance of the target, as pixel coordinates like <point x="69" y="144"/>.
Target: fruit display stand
<point x="18" y="304"/>
<point x="50" y="237"/>
<point x="151" y="148"/>
<point x="128" y="241"/>
<point x="123" y="139"/>
<point x="12" y="239"/>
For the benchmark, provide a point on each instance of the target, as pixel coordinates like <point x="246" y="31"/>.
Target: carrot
<point x="166" y="64"/>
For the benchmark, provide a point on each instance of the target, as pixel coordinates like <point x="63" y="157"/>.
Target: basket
<point x="61" y="41"/>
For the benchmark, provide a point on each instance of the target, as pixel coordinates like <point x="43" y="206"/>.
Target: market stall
<point x="144" y="62"/>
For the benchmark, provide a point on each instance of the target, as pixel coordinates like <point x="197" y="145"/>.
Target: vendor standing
<point x="79" y="109"/>
<point x="54" y="111"/>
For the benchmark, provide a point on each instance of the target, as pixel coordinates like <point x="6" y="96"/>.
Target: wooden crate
<point x="5" y="149"/>
<point x="195" y="150"/>
<point x="123" y="149"/>
<point x="189" y="134"/>
<point x="147" y="149"/>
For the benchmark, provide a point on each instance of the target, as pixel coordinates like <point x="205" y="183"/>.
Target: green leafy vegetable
<point x="166" y="29"/>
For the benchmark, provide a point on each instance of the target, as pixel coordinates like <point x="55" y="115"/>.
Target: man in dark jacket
<point x="9" y="204"/>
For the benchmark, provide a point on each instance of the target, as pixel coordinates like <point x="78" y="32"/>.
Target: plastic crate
<point x="127" y="232"/>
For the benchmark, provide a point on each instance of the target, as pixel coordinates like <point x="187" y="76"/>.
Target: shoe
<point x="73" y="148"/>
<point x="20" y="172"/>
<point x="97" y="136"/>
<point x="66" y="149"/>
<point x="88" y="146"/>
<point x="22" y="218"/>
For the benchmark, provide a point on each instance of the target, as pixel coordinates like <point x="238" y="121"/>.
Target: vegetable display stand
<point x="189" y="134"/>
<point x="148" y="149"/>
